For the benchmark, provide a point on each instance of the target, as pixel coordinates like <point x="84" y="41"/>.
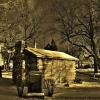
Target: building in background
<point x="56" y="65"/>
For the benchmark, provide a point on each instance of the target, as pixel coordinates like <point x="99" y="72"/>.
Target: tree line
<point x="77" y="21"/>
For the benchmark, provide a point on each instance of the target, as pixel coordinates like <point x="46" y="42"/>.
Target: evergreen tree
<point x="53" y="45"/>
<point x="47" y="47"/>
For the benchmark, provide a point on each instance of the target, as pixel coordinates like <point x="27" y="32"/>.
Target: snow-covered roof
<point x="41" y="53"/>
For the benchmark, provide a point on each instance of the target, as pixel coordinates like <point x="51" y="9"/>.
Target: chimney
<point x="35" y="45"/>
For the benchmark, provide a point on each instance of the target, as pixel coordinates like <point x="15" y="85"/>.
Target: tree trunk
<point x="17" y="64"/>
<point x="17" y="68"/>
<point x="95" y="65"/>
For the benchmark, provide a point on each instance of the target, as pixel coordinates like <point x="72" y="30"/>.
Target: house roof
<point x="41" y="53"/>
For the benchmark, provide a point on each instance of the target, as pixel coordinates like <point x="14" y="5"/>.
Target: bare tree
<point x="21" y="22"/>
<point x="78" y="25"/>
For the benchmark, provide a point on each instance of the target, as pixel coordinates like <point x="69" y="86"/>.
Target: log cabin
<point x="55" y="65"/>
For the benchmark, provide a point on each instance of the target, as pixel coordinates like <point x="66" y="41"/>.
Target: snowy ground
<point x="88" y="70"/>
<point x="85" y="91"/>
<point x="7" y="90"/>
<point x="77" y="92"/>
<point x="7" y="74"/>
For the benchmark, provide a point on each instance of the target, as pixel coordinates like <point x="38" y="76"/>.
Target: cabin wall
<point x="59" y="70"/>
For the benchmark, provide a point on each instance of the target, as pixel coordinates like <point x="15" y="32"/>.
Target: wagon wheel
<point x="49" y="86"/>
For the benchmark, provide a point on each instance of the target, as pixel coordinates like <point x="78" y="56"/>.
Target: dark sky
<point x="45" y="5"/>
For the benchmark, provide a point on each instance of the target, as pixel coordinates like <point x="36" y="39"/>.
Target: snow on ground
<point x="90" y="72"/>
<point x="87" y="89"/>
<point x="8" y="90"/>
<point x="86" y="84"/>
<point x="87" y="70"/>
<point x="7" y="74"/>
